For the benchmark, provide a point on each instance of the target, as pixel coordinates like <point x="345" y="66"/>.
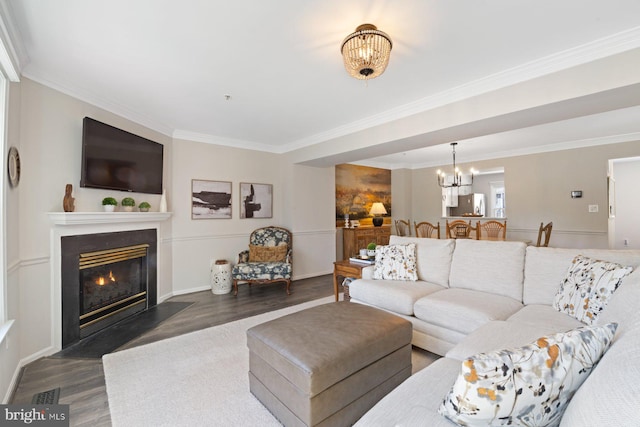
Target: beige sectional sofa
<point x="479" y="296"/>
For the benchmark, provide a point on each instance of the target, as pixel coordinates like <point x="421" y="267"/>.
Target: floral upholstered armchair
<point x="268" y="259"/>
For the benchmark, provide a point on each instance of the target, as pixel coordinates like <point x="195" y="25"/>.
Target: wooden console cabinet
<point x="354" y="239"/>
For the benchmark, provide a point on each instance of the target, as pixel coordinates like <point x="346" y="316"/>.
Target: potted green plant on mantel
<point x="128" y="204"/>
<point x="371" y="249"/>
<point x="109" y="204"/>
<point x="144" y="207"/>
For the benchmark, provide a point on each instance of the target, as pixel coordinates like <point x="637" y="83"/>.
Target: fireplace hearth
<point x="106" y="277"/>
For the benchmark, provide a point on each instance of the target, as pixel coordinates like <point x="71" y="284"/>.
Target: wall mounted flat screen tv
<point x="114" y="159"/>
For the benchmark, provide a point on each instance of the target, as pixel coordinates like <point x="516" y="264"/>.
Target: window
<point x="4" y="323"/>
<point x="498" y="202"/>
<point x="8" y="72"/>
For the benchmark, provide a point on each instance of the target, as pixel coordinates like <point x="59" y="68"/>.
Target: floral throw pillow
<point x="587" y="287"/>
<point x="529" y="386"/>
<point x="396" y="262"/>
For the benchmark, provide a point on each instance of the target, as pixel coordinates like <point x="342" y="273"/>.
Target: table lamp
<point x="377" y="209"/>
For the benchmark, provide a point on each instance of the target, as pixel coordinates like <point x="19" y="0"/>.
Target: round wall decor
<point x="13" y="166"/>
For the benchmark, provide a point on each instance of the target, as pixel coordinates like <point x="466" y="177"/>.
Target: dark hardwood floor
<point x="81" y="380"/>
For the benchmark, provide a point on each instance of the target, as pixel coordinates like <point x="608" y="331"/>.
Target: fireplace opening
<point x="112" y="281"/>
<point x="106" y="277"/>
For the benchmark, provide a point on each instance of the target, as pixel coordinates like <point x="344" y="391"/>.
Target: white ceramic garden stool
<point x="220" y="277"/>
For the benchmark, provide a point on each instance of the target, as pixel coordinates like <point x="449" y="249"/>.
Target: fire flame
<point x="103" y="281"/>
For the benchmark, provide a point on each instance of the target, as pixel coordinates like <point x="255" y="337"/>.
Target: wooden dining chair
<point x="491" y="230"/>
<point x="458" y="229"/>
<point x="403" y="228"/>
<point x="426" y="229"/>
<point x="546" y="230"/>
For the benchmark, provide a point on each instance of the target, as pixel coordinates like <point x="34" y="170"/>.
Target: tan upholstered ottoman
<point x="329" y="364"/>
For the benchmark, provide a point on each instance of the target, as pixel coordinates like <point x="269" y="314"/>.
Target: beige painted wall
<point x="538" y="190"/>
<point x="47" y="127"/>
<point x="401" y="184"/>
<point x="302" y="202"/>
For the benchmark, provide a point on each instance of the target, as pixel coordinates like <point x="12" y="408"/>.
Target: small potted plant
<point x="144" y="207"/>
<point x="109" y="204"/>
<point x="128" y="204"/>
<point x="371" y="249"/>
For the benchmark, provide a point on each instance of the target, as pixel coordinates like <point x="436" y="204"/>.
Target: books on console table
<point x="366" y="261"/>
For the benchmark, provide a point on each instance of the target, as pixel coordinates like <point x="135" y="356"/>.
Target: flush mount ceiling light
<point x="366" y="52"/>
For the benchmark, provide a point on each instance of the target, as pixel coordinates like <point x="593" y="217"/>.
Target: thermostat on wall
<point x="576" y="194"/>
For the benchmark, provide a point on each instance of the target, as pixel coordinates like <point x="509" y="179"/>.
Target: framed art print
<point x="256" y="200"/>
<point x="210" y="199"/>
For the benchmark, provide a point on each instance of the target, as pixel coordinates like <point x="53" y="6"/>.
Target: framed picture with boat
<point x="210" y="199"/>
<point x="256" y="200"/>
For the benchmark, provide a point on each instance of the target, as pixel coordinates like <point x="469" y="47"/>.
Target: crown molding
<point x="228" y="142"/>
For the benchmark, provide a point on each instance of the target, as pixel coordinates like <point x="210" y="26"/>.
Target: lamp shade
<point x="377" y="209"/>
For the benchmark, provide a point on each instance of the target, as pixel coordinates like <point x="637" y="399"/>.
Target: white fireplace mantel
<point x="76" y="223"/>
<point x="94" y="218"/>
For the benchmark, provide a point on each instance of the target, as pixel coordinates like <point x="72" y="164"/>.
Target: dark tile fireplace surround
<point x="106" y="277"/>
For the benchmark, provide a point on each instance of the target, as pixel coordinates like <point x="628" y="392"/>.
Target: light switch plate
<point x="593" y="208"/>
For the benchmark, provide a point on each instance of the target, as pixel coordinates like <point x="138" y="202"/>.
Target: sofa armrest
<point x="367" y="272"/>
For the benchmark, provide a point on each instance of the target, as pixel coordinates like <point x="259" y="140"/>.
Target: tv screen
<point x="114" y="159"/>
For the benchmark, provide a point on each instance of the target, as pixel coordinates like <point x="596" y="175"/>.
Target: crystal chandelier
<point x="366" y="52"/>
<point x="456" y="179"/>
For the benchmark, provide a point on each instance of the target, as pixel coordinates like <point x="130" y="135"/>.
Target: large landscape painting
<point x="357" y="188"/>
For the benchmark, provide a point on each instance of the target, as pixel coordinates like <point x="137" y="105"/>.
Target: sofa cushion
<point x="623" y="306"/>
<point x="434" y="338"/>
<point x="545" y="316"/>
<point x="609" y="397"/>
<point x="464" y="310"/>
<point x="489" y="266"/>
<point x="415" y="402"/>
<point x="433" y="257"/>
<point x="396" y="262"/>
<point x="397" y="296"/>
<point x="261" y="271"/>
<point x="588" y="286"/>
<point x="545" y="268"/>
<point x="530" y="385"/>
<point x="499" y="334"/>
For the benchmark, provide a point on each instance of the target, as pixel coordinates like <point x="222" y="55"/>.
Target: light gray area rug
<point x="195" y="379"/>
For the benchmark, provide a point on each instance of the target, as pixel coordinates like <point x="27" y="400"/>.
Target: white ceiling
<point x="169" y="64"/>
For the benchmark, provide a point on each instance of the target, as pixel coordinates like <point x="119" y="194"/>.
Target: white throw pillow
<point x="528" y="386"/>
<point x="587" y="287"/>
<point x="396" y="262"/>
